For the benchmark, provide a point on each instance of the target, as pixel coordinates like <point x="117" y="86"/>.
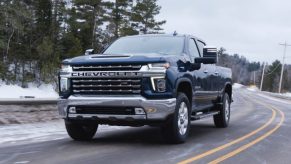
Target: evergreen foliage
<point x="143" y="15"/>
<point x="35" y="36"/>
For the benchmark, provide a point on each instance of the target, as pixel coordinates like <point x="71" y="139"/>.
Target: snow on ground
<point x="14" y="91"/>
<point x="253" y="88"/>
<point x="274" y="98"/>
<point x="288" y="94"/>
<point x="38" y="132"/>
<point x="237" y="85"/>
<point x="35" y="132"/>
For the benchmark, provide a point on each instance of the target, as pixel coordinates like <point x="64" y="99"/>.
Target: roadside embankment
<point x="20" y="112"/>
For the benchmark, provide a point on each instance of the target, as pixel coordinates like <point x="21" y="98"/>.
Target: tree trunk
<point x="8" y="44"/>
<point x="94" y="25"/>
<point x="116" y="20"/>
<point x="23" y="75"/>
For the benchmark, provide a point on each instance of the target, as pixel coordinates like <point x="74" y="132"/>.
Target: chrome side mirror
<point x="89" y="52"/>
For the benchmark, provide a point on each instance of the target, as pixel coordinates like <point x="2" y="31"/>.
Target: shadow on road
<point x="148" y="135"/>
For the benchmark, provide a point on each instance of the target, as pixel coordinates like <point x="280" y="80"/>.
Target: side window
<point x="201" y="45"/>
<point x="194" y="53"/>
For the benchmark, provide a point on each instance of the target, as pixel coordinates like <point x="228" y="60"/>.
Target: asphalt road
<point x="259" y="132"/>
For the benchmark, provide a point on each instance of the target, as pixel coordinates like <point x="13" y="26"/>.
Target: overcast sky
<point x="252" y="28"/>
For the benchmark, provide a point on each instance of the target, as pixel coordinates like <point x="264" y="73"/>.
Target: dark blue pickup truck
<point x="157" y="80"/>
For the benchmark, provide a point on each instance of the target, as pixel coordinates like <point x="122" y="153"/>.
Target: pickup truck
<point x="157" y="80"/>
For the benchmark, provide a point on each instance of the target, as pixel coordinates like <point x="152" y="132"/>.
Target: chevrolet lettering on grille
<point x="106" y="74"/>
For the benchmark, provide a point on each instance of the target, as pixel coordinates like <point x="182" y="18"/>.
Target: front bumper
<point x="155" y="110"/>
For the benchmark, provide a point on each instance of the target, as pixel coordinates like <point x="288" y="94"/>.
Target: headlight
<point x="66" y="68"/>
<point x="159" y="65"/>
<point x="64" y="84"/>
<point x="158" y="84"/>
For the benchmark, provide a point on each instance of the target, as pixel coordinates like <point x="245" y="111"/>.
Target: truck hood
<point x="119" y="59"/>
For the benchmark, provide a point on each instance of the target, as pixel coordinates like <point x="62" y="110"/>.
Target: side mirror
<point x="209" y="56"/>
<point x="205" y="60"/>
<point x="210" y="52"/>
<point x="89" y="52"/>
<point x="193" y="66"/>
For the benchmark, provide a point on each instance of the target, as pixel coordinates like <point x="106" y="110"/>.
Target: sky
<point x="252" y="28"/>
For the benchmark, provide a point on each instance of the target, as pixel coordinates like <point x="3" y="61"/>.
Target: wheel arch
<point x="228" y="90"/>
<point x="185" y="85"/>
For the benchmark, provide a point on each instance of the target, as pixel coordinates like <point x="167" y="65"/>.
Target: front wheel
<point x="221" y="120"/>
<point x="80" y="132"/>
<point x="177" y="128"/>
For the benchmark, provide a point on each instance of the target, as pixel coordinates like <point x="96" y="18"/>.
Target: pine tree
<point x="120" y="22"/>
<point x="72" y="46"/>
<point x="14" y="16"/>
<point x="46" y="38"/>
<point x="143" y="15"/>
<point x="271" y="78"/>
<point x="87" y="17"/>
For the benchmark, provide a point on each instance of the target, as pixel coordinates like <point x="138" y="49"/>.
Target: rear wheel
<point x="177" y="128"/>
<point x="221" y="120"/>
<point x="80" y="132"/>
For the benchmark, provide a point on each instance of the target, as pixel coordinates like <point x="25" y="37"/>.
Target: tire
<point x="176" y="130"/>
<point x="80" y="132"/>
<point x="221" y="120"/>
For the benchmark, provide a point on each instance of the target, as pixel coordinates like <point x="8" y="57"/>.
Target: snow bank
<point x="253" y="88"/>
<point x="237" y="85"/>
<point x="14" y="91"/>
<point x="288" y="94"/>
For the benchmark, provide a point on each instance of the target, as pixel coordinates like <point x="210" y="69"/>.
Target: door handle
<point x="205" y="71"/>
<point x="216" y="73"/>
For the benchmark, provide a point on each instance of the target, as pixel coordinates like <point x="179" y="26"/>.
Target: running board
<point x="200" y="116"/>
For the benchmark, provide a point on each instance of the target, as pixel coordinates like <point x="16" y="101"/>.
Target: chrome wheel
<point x="183" y="118"/>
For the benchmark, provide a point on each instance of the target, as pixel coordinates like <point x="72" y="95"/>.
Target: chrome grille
<point x="118" y="67"/>
<point x="106" y="86"/>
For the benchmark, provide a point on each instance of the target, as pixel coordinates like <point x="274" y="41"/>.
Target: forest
<point x="35" y="36"/>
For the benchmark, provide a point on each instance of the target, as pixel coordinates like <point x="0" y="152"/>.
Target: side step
<point x="204" y="115"/>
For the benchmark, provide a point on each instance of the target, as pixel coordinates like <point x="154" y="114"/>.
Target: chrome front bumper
<point x="155" y="110"/>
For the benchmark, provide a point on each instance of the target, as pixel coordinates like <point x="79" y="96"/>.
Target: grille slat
<point x="106" y="91"/>
<point x="106" y="80"/>
<point x="104" y="86"/>
<point x="107" y="67"/>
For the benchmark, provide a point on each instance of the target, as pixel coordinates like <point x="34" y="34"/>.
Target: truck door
<point x="213" y="78"/>
<point x="201" y="77"/>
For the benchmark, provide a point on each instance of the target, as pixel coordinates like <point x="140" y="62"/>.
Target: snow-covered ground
<point x="14" y="91"/>
<point x="288" y="94"/>
<point x="32" y="132"/>
<point x="38" y="132"/>
<point x="253" y="88"/>
<point x="237" y="85"/>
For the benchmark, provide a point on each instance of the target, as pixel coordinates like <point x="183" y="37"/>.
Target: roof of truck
<point x="166" y="35"/>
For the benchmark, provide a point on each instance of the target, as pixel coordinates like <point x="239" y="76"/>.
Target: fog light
<point x="72" y="110"/>
<point x="151" y="110"/>
<point x="161" y="85"/>
<point x="139" y="111"/>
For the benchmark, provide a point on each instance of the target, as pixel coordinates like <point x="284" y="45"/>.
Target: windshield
<point x="166" y="45"/>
